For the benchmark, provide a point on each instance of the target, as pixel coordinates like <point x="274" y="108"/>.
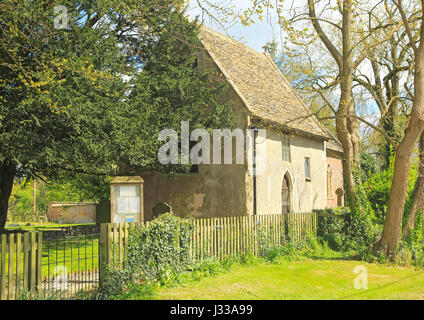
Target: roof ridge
<point x="259" y="83"/>
<point x="227" y="37"/>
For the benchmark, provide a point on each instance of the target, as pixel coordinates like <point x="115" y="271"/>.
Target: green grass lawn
<point x="78" y="254"/>
<point x="308" y="279"/>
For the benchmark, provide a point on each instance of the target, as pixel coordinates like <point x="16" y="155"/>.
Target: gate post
<point x="103" y="251"/>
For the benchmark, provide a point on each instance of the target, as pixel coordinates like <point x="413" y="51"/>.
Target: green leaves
<point x="163" y="245"/>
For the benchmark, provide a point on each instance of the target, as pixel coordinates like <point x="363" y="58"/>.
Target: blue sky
<point x="255" y="35"/>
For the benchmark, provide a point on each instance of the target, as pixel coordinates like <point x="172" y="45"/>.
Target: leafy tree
<point x="67" y="105"/>
<point x="171" y="83"/>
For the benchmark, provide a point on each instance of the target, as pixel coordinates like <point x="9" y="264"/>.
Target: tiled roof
<point x="261" y="85"/>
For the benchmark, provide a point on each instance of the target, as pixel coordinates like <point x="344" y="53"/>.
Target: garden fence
<point x="217" y="237"/>
<point x="42" y="262"/>
<point x="76" y="261"/>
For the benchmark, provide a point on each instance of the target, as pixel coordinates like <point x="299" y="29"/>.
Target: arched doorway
<point x="285" y="194"/>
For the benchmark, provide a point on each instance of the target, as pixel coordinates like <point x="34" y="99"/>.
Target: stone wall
<point x="72" y="213"/>
<point x="305" y="196"/>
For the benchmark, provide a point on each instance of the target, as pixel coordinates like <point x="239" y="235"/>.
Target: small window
<point x="286" y="148"/>
<point x="308" y="169"/>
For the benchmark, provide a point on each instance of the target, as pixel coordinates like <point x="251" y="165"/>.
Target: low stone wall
<point x="72" y="213"/>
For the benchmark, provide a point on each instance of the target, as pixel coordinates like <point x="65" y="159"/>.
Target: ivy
<point x="163" y="244"/>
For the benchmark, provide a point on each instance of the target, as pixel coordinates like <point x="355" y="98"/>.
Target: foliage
<point x="410" y="254"/>
<point x="343" y="231"/>
<point x="97" y="96"/>
<point x="369" y="166"/>
<point x="378" y="186"/>
<point x="165" y="242"/>
<point x="415" y="236"/>
<point x="114" y="283"/>
<point x="330" y="225"/>
<point x="359" y="229"/>
<point x="157" y="252"/>
<point x="43" y="295"/>
<point x="272" y="251"/>
<point x="171" y="83"/>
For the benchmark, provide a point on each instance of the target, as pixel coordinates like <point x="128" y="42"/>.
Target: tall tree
<point x="65" y="88"/>
<point x="340" y="27"/>
<point x="393" y="223"/>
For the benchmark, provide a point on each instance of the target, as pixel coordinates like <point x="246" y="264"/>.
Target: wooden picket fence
<point x="20" y="263"/>
<point x="25" y="267"/>
<point x="232" y="236"/>
<point x="217" y="237"/>
<point x="113" y="245"/>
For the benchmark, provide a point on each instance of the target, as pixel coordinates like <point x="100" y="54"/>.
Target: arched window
<point x="308" y="169"/>
<point x="329" y="182"/>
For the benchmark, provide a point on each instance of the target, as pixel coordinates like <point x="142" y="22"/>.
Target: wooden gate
<point x="20" y="263"/>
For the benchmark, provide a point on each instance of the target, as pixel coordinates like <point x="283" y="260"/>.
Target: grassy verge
<point x="305" y="279"/>
<point x="323" y="274"/>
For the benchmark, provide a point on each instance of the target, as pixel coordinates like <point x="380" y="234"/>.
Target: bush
<point x="163" y="245"/>
<point x="377" y="188"/>
<point x="157" y="253"/>
<point x="342" y="230"/>
<point x="114" y="283"/>
<point x="330" y="227"/>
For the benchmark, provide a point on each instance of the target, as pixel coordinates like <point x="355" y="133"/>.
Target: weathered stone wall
<point x="72" y="213"/>
<point x="305" y="195"/>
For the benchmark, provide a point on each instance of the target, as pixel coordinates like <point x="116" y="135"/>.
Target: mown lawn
<point x="77" y="254"/>
<point x="308" y="279"/>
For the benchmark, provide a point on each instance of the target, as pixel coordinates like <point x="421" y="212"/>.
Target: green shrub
<point x="330" y="227"/>
<point x="157" y="253"/>
<point x="378" y="186"/>
<point x="114" y="283"/>
<point x="163" y="245"/>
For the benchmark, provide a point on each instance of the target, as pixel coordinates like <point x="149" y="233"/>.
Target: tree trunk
<point x="347" y="125"/>
<point x="7" y="176"/>
<point x="418" y="193"/>
<point x="393" y="223"/>
<point x="348" y="134"/>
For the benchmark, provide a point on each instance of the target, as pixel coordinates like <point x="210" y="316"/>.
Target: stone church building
<point x="303" y="169"/>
